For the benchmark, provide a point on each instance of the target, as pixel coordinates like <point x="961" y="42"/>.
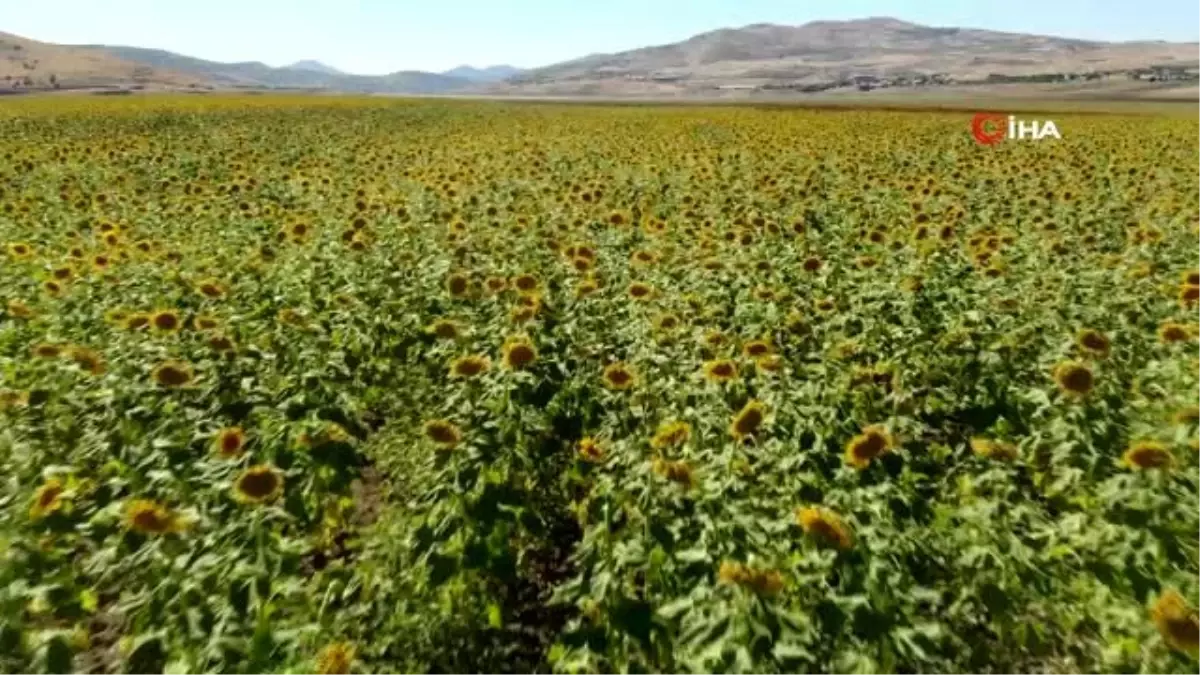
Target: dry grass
<point x="22" y="58"/>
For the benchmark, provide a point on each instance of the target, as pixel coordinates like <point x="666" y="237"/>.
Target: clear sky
<point x="381" y="36"/>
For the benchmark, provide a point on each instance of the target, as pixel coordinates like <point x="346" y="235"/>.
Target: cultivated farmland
<point x="335" y="384"/>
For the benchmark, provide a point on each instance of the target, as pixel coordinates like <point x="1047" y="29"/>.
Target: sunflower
<point x="638" y="290"/>
<point x="221" y="343"/>
<point x="443" y="433"/>
<point x="770" y="363"/>
<point x="1171" y="331"/>
<point x="52" y="288"/>
<point x="211" y="288"/>
<point x="147" y="516"/>
<point x="1188" y="294"/>
<point x="676" y="471"/>
<point x="619" y="376"/>
<point x="526" y="283"/>
<point x="993" y="449"/>
<point x="590" y="451"/>
<point x="666" y="322"/>
<point x="518" y="353"/>
<point x="812" y="264"/>
<point x="748" y="420"/>
<point x="873" y="442"/>
<point x="1148" y="455"/>
<point x="586" y="288"/>
<point x="1187" y="416"/>
<point x="47" y="350"/>
<point x="1074" y="378"/>
<point x="20" y="250"/>
<point x="166" y="321"/>
<point x="47" y="499"/>
<point x="720" y="370"/>
<point x="1176" y="621"/>
<point x="457" y="285"/>
<point x="825" y="305"/>
<point x="445" y="329"/>
<point x="258" y="485"/>
<point x="469" y="366"/>
<point x="825" y="526"/>
<point x="335" y="659"/>
<point x="230" y="442"/>
<point x="136" y="321"/>
<point x="205" y="322"/>
<point x="495" y="284"/>
<point x="19" y="309"/>
<point x="762" y="581"/>
<point x="1093" y="342"/>
<point x="172" y="374"/>
<point x="671" y="434"/>
<point x="756" y="348"/>
<point x="87" y="359"/>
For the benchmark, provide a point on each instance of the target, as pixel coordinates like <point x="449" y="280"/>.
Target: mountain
<point x="255" y="74"/>
<point x="28" y="63"/>
<point x="489" y="74"/>
<point x="831" y="51"/>
<point x="314" y="66"/>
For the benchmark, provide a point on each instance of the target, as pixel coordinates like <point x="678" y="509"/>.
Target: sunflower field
<point x="320" y="384"/>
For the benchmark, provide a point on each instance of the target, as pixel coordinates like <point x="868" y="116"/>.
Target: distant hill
<point x="489" y="74"/>
<point x="823" y="51"/>
<point x="28" y="64"/>
<point x="314" y="66"/>
<point x="255" y="74"/>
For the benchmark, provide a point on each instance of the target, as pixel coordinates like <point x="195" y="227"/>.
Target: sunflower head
<point x="19" y="309"/>
<point x="619" y="376"/>
<point x="469" y="366"/>
<point x="994" y="449"/>
<point x="720" y="370"/>
<point x="1176" y="621"/>
<point x="590" y="451"/>
<point x="765" y="582"/>
<point x="335" y="659"/>
<point x="769" y="363"/>
<point x="756" y="348"/>
<point x="671" y="434"/>
<point x="445" y="329"/>
<point x="89" y="360"/>
<point x="258" y="485"/>
<point x="495" y="285"/>
<point x="638" y="290"/>
<point x="166" y="321"/>
<point x="825" y="526"/>
<point x="211" y="288"/>
<point x="47" y="499"/>
<point x="47" y="350"/>
<point x="1074" y="378"/>
<point x="136" y="321"/>
<point x="1189" y="416"/>
<point x="748" y="421"/>
<point x="1093" y="342"/>
<point x="172" y="374"/>
<point x="526" y="283"/>
<point x="873" y="442"/>
<point x="518" y="353"/>
<point x="679" y="472"/>
<point x="1148" y="455"/>
<point x="1189" y="294"/>
<point x="146" y="516"/>
<point x="230" y="442"/>
<point x="444" y="434"/>
<point x="458" y="285"/>
<point x="1171" y="332"/>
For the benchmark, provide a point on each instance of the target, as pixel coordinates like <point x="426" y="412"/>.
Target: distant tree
<point x="53" y="78"/>
<point x="28" y="81"/>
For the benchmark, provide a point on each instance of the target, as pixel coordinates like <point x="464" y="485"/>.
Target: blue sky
<point x="380" y="36"/>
